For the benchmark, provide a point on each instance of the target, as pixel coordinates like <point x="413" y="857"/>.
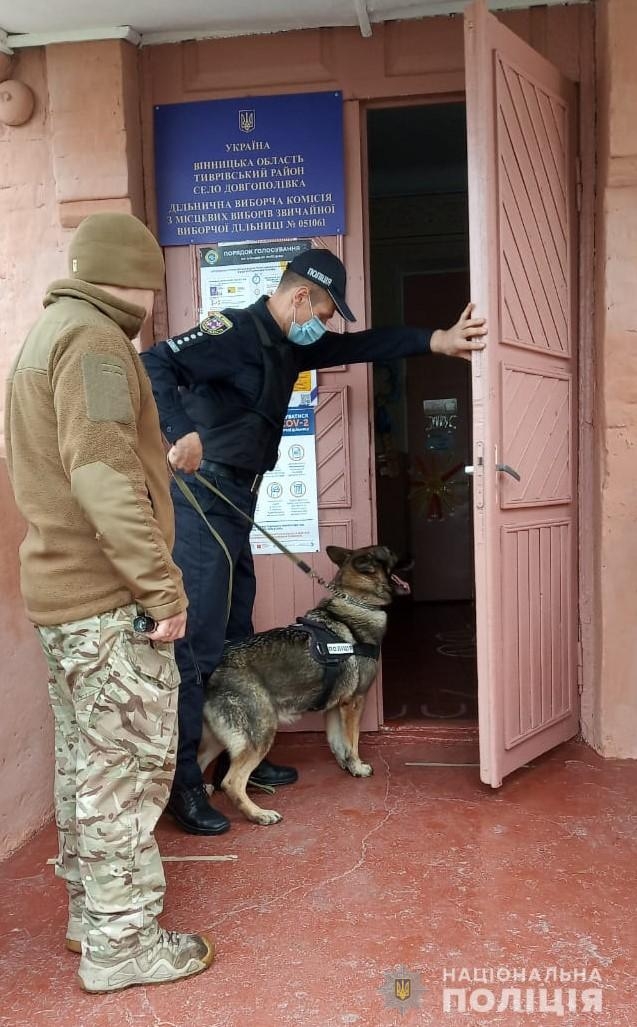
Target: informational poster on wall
<point x="287" y="506"/>
<point x="250" y="168"/>
<point x="236" y="276"/>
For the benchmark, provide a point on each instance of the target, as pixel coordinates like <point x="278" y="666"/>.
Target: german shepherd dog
<point x="276" y="676"/>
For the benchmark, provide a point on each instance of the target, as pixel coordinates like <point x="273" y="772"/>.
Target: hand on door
<point x="462" y="338"/>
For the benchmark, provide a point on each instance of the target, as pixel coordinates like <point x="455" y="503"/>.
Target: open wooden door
<point x="521" y="127"/>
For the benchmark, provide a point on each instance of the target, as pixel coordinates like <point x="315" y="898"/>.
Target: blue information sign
<point x="254" y="168"/>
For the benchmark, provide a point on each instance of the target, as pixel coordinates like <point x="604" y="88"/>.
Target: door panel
<point x="536" y="436"/>
<point x="521" y="117"/>
<point x="534" y="243"/>
<point x="332" y="448"/>
<point x="536" y="567"/>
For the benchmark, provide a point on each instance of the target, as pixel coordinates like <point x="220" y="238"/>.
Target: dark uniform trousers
<point x="205" y="568"/>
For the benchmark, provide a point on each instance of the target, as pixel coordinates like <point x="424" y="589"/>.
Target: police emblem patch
<point x="216" y="323"/>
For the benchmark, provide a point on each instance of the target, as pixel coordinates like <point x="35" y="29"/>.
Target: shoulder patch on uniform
<point x="106" y="389"/>
<point x="216" y="323"/>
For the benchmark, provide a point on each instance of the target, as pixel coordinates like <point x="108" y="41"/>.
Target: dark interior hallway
<point x="429" y="664"/>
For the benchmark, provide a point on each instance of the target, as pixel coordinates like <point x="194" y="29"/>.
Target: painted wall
<point x="80" y="152"/>
<point x="613" y="722"/>
<point x="31" y="244"/>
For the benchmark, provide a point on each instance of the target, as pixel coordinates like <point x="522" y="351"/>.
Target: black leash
<point x="301" y="564"/>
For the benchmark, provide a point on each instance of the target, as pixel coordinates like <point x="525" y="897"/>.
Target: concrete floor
<point x="418" y="872"/>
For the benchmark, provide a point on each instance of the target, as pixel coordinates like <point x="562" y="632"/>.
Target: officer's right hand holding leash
<point x="462" y="338"/>
<point x="186" y="453"/>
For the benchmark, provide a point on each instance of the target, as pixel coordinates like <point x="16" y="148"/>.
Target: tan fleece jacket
<point x="87" y="465"/>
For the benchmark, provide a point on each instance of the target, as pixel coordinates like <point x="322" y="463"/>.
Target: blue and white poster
<point x="250" y="169"/>
<point x="287" y="506"/>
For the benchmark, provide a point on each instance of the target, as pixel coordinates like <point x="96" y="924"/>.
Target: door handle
<point x="508" y="470"/>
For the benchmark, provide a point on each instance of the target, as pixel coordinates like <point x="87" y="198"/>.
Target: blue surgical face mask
<point x="307" y="333"/>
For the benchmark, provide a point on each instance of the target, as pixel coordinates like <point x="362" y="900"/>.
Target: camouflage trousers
<point x="114" y="700"/>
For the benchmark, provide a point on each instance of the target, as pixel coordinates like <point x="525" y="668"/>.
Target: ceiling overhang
<point x="151" y="22"/>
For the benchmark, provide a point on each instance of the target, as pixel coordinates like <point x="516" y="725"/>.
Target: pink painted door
<point x="521" y="118"/>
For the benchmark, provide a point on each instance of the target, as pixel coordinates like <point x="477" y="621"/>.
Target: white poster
<point x="236" y="275"/>
<point x="288" y="504"/>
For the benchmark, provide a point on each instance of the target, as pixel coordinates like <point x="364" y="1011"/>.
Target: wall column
<point x="96" y="135"/>
<point x="612" y="730"/>
<point x="79" y="153"/>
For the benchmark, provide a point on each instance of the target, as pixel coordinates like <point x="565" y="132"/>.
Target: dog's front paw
<point x="267" y="817"/>
<point x="358" y="769"/>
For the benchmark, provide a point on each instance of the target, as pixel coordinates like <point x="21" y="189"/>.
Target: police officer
<point x="222" y="389"/>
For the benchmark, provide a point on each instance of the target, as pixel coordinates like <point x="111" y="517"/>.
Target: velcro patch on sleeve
<point x="106" y="389"/>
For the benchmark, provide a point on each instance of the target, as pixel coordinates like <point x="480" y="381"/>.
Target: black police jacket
<point x="225" y="380"/>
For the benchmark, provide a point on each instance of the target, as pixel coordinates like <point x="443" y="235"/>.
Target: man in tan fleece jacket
<point x="87" y="466"/>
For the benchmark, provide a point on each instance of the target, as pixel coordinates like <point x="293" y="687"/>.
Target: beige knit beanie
<point x="116" y="249"/>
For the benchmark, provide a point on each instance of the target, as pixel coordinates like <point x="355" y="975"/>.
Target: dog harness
<point x="330" y="651"/>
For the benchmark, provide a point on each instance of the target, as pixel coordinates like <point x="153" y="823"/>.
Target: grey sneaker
<point x="171" y="957"/>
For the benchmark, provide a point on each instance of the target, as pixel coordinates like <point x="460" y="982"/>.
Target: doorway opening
<point x="419" y="263"/>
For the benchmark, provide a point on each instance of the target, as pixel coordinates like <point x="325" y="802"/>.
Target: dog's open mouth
<point x="400" y="587"/>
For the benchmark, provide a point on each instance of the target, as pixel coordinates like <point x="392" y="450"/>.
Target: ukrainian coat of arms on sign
<point x="247" y="120"/>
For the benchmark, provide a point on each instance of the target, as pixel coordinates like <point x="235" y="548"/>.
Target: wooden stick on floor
<point x="182" y="859"/>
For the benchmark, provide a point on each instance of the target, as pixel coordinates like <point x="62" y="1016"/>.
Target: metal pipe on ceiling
<point x="363" y="18"/>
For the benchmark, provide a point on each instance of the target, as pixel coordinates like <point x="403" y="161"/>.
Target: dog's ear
<point x="337" y="554"/>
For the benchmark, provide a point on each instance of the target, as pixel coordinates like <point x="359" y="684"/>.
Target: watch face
<point x="144" y="624"/>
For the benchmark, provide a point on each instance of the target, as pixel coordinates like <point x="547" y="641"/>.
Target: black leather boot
<point x="265" y="774"/>
<point x="193" y="812"/>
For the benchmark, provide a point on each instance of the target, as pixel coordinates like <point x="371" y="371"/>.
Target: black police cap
<point x="323" y="268"/>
